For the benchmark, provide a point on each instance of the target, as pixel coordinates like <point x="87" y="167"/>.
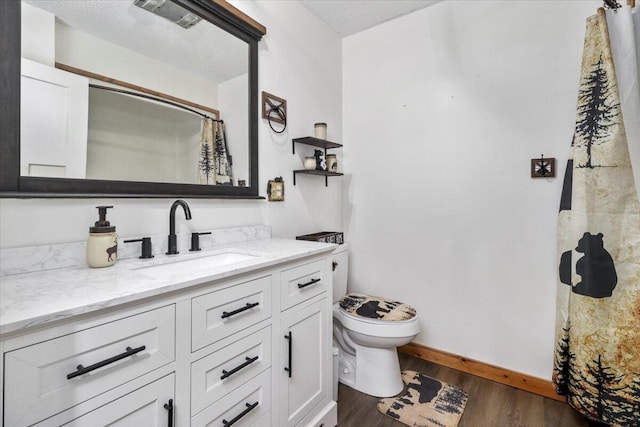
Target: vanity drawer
<point x="46" y="377"/>
<point x="247" y="405"/>
<point x="300" y="283"/>
<point x="221" y="313"/>
<point x="219" y="373"/>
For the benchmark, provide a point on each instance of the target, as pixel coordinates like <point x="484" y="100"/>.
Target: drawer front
<point x="45" y="377"/>
<point x="221" y="313"/>
<point x="300" y="283"/>
<point x="219" y="373"/>
<point x="245" y="406"/>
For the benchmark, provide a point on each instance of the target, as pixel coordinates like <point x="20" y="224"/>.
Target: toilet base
<point x="373" y="371"/>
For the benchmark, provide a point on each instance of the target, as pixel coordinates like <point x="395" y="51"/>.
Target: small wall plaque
<point x="275" y="190"/>
<point x="543" y="167"/>
<point x="274" y="108"/>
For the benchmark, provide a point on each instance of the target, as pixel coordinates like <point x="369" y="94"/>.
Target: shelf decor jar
<point x="332" y="163"/>
<point x="320" y="130"/>
<point x="310" y="163"/>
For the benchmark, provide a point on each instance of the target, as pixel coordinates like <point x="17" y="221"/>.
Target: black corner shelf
<point x="320" y="143"/>
<point x="326" y="174"/>
<point x="309" y="140"/>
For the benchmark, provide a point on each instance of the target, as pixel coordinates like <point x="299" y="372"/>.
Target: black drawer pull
<point x="289" y="368"/>
<point x="82" y="370"/>
<point x="249" y="361"/>
<point x="240" y="310"/>
<point x="309" y="283"/>
<point x="169" y="408"/>
<point x="250" y="406"/>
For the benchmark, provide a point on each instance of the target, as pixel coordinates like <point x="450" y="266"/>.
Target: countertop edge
<point x="22" y="325"/>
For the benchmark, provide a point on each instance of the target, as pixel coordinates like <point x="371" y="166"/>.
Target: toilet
<point x="367" y="331"/>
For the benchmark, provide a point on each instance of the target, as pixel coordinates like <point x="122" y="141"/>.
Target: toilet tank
<point x="340" y="271"/>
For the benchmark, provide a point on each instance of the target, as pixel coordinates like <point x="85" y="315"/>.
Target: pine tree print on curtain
<point x="597" y="357"/>
<point x="222" y="158"/>
<point x="206" y="166"/>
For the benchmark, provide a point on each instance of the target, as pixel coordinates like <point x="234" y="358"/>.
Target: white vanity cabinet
<point x="212" y="353"/>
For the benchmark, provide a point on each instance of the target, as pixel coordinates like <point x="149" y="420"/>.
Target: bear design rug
<point x="426" y="402"/>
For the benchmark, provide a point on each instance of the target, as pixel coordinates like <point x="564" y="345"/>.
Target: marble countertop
<point x="33" y="299"/>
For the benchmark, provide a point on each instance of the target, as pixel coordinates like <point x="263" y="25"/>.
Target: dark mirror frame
<point x="219" y="13"/>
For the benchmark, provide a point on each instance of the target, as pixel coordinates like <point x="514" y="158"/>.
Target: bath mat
<point x="426" y="402"/>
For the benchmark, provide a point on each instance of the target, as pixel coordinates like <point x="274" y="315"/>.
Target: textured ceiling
<point x="348" y="17"/>
<point x="126" y="25"/>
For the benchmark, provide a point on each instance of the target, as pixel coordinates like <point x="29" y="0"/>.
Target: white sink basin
<point x="196" y="265"/>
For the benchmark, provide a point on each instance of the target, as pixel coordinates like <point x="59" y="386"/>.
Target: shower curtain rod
<point x="153" y="98"/>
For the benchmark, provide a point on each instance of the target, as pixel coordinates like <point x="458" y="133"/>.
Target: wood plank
<point x="241" y="15"/>
<point x="142" y="89"/>
<point x="515" y="379"/>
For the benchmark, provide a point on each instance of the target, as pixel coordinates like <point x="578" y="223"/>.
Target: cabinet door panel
<point x="308" y="362"/>
<point x="143" y="407"/>
<point x="54" y="112"/>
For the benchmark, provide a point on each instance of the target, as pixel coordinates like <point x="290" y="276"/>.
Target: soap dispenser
<point x="102" y="246"/>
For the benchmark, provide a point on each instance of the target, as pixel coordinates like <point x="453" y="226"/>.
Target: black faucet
<point x="173" y="245"/>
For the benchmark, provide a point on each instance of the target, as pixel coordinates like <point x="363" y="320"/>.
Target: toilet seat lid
<point x="371" y="307"/>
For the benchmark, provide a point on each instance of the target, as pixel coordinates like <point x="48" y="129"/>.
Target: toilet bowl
<point x="368" y="337"/>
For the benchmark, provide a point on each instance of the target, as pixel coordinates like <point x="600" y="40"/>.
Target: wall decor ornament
<point x="274" y="109"/>
<point x="543" y="167"/>
<point x="275" y="190"/>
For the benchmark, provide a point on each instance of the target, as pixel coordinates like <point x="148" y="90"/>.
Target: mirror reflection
<point x="111" y="91"/>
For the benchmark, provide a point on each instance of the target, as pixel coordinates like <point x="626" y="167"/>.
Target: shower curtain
<point x="224" y="175"/>
<point x="214" y="161"/>
<point x="597" y="354"/>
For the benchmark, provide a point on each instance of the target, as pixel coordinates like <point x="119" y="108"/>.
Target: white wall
<point x="233" y="111"/>
<point x="443" y="110"/>
<point x="87" y="52"/>
<point x="289" y="67"/>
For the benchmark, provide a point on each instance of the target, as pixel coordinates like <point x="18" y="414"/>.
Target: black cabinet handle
<point x="250" y="406"/>
<point x="82" y="370"/>
<point x="240" y="310"/>
<point x="249" y="361"/>
<point x="289" y="369"/>
<point x="309" y="283"/>
<point x="169" y="408"/>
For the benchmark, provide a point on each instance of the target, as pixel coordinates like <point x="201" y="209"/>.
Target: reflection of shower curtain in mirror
<point x="222" y="158"/>
<point x="597" y="357"/>
<point x="214" y="161"/>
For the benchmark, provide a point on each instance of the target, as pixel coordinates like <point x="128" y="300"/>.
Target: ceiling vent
<point x="171" y="11"/>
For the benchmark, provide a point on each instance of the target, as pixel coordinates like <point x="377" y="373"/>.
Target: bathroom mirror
<point x="130" y="98"/>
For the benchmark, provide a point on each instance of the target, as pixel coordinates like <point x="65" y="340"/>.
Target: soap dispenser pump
<point x="102" y="246"/>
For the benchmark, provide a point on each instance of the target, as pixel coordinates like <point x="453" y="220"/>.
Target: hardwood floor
<point x="490" y="404"/>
